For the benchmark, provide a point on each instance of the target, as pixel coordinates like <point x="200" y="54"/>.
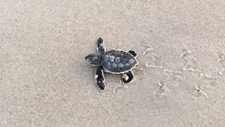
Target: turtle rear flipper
<point x="128" y="77"/>
<point x="132" y="53"/>
<point x="99" y="77"/>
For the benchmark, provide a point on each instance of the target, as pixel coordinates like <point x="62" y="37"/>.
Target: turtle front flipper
<point x="101" y="46"/>
<point x="128" y="77"/>
<point x="99" y="78"/>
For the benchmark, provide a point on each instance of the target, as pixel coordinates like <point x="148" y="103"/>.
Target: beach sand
<point x="45" y="81"/>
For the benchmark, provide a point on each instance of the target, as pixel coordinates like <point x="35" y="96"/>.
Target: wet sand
<point x="45" y="81"/>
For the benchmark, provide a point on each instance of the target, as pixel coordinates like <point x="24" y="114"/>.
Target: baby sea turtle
<point x="113" y="61"/>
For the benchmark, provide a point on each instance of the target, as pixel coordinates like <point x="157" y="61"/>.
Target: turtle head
<point x="93" y="59"/>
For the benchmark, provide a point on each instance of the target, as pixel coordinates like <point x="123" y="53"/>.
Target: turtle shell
<point x="117" y="61"/>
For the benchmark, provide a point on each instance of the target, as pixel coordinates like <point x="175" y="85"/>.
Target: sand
<point x="45" y="81"/>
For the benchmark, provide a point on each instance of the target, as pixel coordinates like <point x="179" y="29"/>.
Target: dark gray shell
<point x="117" y="61"/>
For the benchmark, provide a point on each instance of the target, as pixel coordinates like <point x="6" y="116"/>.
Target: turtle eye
<point x="88" y="58"/>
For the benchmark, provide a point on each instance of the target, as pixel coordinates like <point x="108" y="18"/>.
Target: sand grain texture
<point x="45" y="82"/>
